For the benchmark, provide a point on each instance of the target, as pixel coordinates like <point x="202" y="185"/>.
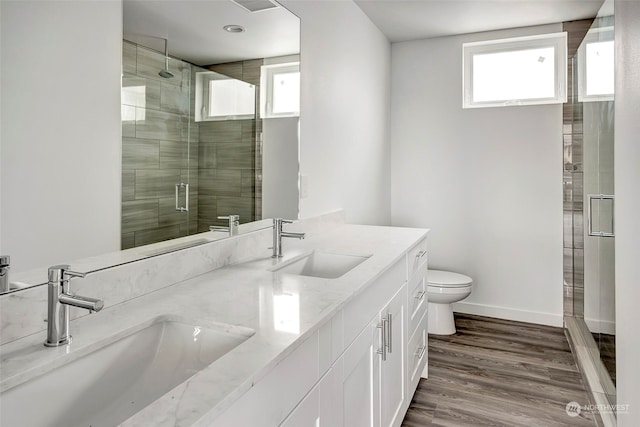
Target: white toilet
<point x="443" y="289"/>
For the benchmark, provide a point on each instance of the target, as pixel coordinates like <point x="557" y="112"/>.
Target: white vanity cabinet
<point x="360" y="380"/>
<point x="392" y="367"/>
<point x="369" y="358"/>
<point x="366" y="385"/>
<point x="320" y="407"/>
<point x="417" y="305"/>
<point x="275" y="395"/>
<point x="372" y="388"/>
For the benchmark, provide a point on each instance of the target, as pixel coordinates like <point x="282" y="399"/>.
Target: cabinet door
<point x="393" y="370"/>
<point x="307" y="413"/>
<point x="331" y="412"/>
<point x="321" y="407"/>
<point x="360" y="379"/>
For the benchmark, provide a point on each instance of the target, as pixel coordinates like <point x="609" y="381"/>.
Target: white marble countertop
<point x="240" y="296"/>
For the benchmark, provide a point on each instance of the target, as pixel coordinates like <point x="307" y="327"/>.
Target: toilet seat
<point x="447" y="279"/>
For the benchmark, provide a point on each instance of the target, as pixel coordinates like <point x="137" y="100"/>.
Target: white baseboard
<point x="537" y="317"/>
<point x="601" y="326"/>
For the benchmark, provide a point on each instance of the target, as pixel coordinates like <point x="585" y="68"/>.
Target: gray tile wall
<point x="230" y="161"/>
<point x="162" y="145"/>
<point x="573" y="179"/>
<point x="159" y="144"/>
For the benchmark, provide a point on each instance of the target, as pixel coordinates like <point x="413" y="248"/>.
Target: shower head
<point x="166" y="73"/>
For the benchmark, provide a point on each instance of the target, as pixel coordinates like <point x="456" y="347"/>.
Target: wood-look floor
<point x="607" y="346"/>
<point x="495" y="372"/>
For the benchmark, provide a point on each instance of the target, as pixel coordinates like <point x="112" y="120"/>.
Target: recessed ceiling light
<point x="234" y="28"/>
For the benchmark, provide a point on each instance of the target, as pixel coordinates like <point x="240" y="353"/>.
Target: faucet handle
<point x="280" y="221"/>
<point x="231" y="218"/>
<point x="75" y="274"/>
<point x="61" y="273"/>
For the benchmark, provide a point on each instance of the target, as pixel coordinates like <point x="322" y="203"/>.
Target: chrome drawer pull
<point x="383" y="338"/>
<point x="420" y="295"/>
<point x="421" y="254"/>
<point x="389" y="332"/>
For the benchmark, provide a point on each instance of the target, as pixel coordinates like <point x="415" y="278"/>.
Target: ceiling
<point x="402" y="20"/>
<point x="194" y="27"/>
<point x="194" y="30"/>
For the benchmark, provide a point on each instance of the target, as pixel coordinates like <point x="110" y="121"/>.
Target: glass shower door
<point x="159" y="141"/>
<point x="596" y="93"/>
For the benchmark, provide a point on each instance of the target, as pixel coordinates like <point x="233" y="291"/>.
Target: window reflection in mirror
<point x="219" y="97"/>
<point x="596" y="65"/>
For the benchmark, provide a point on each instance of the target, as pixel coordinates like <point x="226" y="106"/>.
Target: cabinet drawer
<point x="417" y="355"/>
<point x="417" y="304"/>
<point x="417" y="279"/>
<point x="417" y="259"/>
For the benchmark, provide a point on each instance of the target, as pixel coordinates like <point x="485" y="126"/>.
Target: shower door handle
<point x="186" y="197"/>
<point x="590" y="199"/>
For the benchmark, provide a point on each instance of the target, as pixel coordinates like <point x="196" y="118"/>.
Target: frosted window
<point x="231" y="98"/>
<point x="523" y="74"/>
<point x="280" y="90"/>
<point x="599" y="68"/>
<point x="596" y="66"/>
<point x="517" y="71"/>
<point x="286" y="93"/>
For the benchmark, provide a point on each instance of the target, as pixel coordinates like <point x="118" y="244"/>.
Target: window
<point x="231" y="98"/>
<point x="516" y="71"/>
<point x="219" y="97"/>
<point x="280" y="90"/>
<point x="596" y="66"/>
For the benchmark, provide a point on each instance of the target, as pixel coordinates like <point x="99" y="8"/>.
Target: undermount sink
<point x="325" y="265"/>
<point x="114" y="382"/>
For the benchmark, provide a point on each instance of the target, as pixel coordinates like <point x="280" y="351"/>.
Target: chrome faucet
<point x="4" y="273"/>
<point x="278" y="234"/>
<point x="60" y="299"/>
<point x="232" y="229"/>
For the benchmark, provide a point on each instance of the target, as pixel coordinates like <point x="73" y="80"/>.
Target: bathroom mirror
<point x="178" y="174"/>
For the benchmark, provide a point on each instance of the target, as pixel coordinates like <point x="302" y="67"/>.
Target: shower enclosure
<point x="589" y="201"/>
<point x="179" y="174"/>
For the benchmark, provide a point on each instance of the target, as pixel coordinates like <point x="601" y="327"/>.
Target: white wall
<point x="627" y="178"/>
<point x="344" y="126"/>
<point x="60" y="103"/>
<point x="60" y="173"/>
<point x="280" y="168"/>
<point x="487" y="181"/>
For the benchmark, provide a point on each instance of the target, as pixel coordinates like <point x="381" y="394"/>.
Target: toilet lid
<point x="447" y="279"/>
